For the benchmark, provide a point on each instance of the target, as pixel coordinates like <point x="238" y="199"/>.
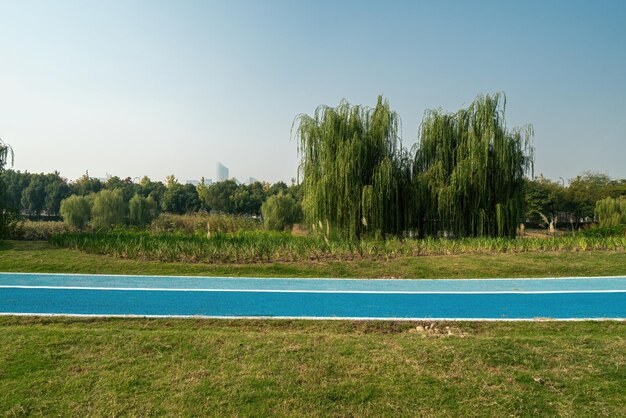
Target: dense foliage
<point x="108" y="209"/>
<point x="466" y="179"/>
<point x="76" y="211"/>
<point x="354" y="171"/>
<point x="280" y="212"/>
<point x="141" y="210"/>
<point x="553" y="202"/>
<point x="470" y="171"/>
<point x="39" y="196"/>
<point x="611" y="212"/>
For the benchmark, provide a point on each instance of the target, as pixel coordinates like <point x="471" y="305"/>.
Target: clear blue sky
<point x="155" y="87"/>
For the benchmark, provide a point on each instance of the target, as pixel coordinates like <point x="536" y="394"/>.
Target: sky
<point x="133" y="88"/>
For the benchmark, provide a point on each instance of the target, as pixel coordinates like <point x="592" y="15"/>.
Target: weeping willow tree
<point x="355" y="172"/>
<point x="8" y="215"/>
<point x="611" y="212"/>
<point x="470" y="170"/>
<point x="6" y="154"/>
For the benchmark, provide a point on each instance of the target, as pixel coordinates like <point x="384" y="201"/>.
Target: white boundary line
<point x="375" y="292"/>
<point x="306" y="278"/>
<point x="314" y="318"/>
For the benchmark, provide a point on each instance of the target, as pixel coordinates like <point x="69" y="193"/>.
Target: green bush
<point x="108" y="210"/>
<point x="41" y="230"/>
<point x="606" y="231"/>
<point x="280" y="212"/>
<point x="76" y="211"/>
<point x="611" y="212"/>
<point x="142" y="210"/>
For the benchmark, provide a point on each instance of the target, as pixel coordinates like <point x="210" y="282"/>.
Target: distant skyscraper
<point x="221" y="172"/>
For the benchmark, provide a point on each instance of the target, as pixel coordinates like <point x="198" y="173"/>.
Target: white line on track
<point x="391" y="292"/>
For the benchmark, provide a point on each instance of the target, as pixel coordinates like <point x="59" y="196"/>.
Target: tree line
<point x="549" y="201"/>
<point x="36" y="195"/>
<point x="468" y="175"/>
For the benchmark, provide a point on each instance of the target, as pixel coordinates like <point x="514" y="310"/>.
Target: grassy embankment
<point x="43" y="257"/>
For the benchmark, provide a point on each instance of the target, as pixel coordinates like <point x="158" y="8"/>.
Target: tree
<point x="34" y="196"/>
<point x="86" y="185"/>
<point x="256" y="197"/>
<point x="247" y="199"/>
<point x="6" y="155"/>
<point x="471" y="170"/>
<point x="611" y="212"/>
<point x="126" y="185"/>
<point x="142" y="210"/>
<point x="76" y="211"/>
<point x="544" y="200"/>
<point x="170" y="181"/>
<point x="180" y="199"/>
<point x="355" y="173"/>
<point x="240" y="201"/>
<point x="153" y="189"/>
<point x="14" y="184"/>
<point x="57" y="189"/>
<point x="277" y="188"/>
<point x="8" y="215"/>
<point x="108" y="210"/>
<point x="585" y="190"/>
<point x="202" y="190"/>
<point x="218" y="196"/>
<point x="280" y="212"/>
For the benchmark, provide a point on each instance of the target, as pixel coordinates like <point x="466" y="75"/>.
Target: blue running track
<point x="487" y="299"/>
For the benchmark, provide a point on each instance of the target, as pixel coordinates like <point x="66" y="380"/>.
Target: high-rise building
<point x="221" y="173"/>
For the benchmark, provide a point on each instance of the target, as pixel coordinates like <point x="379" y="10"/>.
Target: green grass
<point x="198" y="367"/>
<point x="42" y="257"/>
<point x="141" y="367"/>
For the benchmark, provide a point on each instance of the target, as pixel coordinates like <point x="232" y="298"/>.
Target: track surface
<point x="492" y="299"/>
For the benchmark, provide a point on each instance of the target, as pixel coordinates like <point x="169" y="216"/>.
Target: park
<point x="467" y="258"/>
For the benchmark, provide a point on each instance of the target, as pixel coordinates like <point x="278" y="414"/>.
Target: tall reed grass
<point x="264" y="246"/>
<point x="203" y="224"/>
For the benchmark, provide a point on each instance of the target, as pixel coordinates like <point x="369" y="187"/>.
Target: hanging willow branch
<point x="355" y="173"/>
<point x="6" y="154"/>
<point x="611" y="211"/>
<point x="471" y="170"/>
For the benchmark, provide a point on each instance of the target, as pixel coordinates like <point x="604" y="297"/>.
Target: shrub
<point x="606" y="231"/>
<point x="76" y="211"/>
<point x="43" y="230"/>
<point x="611" y="212"/>
<point x="202" y="223"/>
<point x="142" y="210"/>
<point x="280" y="212"/>
<point x="109" y="209"/>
